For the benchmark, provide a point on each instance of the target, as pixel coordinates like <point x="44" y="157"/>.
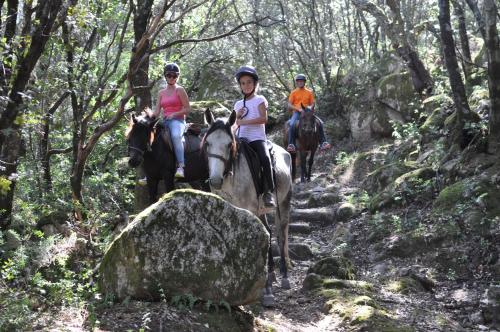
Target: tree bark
<point x="457" y="86"/>
<point x="140" y="78"/>
<point x="464" y="40"/>
<point x="492" y="42"/>
<point x="10" y="139"/>
<point x="477" y="15"/>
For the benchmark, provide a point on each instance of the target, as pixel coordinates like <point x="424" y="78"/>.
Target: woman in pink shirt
<point x="174" y="102"/>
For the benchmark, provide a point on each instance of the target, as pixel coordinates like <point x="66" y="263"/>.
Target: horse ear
<point x="232" y="118"/>
<point x="133" y="118"/>
<point x="209" y="117"/>
<point x="312" y="108"/>
<point x="302" y="105"/>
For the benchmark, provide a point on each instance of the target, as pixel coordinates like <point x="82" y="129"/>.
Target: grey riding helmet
<point x="172" y="68"/>
<point x="300" y="77"/>
<point x="247" y="70"/>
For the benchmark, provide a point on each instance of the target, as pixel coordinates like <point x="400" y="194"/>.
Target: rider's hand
<point x="239" y="114"/>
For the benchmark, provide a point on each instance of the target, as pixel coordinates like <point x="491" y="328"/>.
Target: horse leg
<point x="152" y="190"/>
<point x="282" y="220"/>
<point x="268" y="297"/>
<point x="294" y="165"/>
<point x="303" y="169"/>
<point x="311" y="161"/>
<point x="168" y="179"/>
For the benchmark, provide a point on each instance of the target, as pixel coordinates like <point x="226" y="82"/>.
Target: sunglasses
<point x="171" y="76"/>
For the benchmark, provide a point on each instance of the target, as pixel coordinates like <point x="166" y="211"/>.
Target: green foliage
<point x="184" y="301"/>
<point x="360" y="199"/>
<point x="4" y="185"/>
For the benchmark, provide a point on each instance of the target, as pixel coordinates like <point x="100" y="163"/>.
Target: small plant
<point x="184" y="301"/>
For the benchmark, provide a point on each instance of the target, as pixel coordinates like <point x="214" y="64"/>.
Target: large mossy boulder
<point x="188" y="243"/>
<point x="474" y="199"/>
<point x="412" y="186"/>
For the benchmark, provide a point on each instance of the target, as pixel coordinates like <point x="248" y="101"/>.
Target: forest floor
<point x="388" y="293"/>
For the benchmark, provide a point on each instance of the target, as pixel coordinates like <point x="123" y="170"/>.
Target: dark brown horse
<point x="307" y="143"/>
<point x="147" y="147"/>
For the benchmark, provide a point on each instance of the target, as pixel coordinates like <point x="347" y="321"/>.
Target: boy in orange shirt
<point x="298" y="97"/>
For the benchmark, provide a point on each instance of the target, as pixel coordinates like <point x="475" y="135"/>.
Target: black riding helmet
<point x="247" y="70"/>
<point x="172" y="68"/>
<point x="300" y="77"/>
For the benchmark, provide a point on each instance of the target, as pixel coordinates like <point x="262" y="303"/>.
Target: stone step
<point x="322" y="216"/>
<point x="300" y="228"/>
<point x="296" y="251"/>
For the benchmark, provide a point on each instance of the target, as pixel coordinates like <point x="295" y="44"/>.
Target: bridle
<point x="228" y="162"/>
<point x="141" y="151"/>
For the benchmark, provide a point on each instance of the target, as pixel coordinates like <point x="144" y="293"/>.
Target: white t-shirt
<point x="253" y="132"/>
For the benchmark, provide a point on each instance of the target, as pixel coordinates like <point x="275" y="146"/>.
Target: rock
<point x="323" y="216"/>
<point x="477" y="318"/>
<point x="312" y="281"/>
<point x="299" y="227"/>
<point x="420" y="275"/>
<point x="299" y="251"/>
<point x="12" y="240"/>
<point x="323" y="200"/>
<point x="382" y="269"/>
<point x="334" y="267"/>
<point x="406" y="188"/>
<point x="189" y="242"/>
<point x="401" y="246"/>
<point x="341" y="234"/>
<point x="345" y="211"/>
<point x="384" y="175"/>
<point x="490" y="305"/>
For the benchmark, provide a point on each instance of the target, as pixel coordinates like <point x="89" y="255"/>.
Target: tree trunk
<point x="477" y="15"/>
<point x="139" y="81"/>
<point x="457" y="86"/>
<point x="464" y="40"/>
<point x="9" y="33"/>
<point x="10" y="140"/>
<point x="140" y="78"/>
<point x="493" y="47"/>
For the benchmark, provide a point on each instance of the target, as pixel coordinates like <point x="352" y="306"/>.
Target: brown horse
<point x="307" y="142"/>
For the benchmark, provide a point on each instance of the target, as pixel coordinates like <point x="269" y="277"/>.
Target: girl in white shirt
<point x="251" y="119"/>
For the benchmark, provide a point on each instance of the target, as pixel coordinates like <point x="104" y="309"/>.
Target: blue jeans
<point x="291" y="133"/>
<point x="176" y="128"/>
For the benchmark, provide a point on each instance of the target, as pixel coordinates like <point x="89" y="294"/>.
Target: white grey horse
<point x="230" y="177"/>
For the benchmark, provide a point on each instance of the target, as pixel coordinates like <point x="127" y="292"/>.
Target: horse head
<point x="307" y="122"/>
<point x="219" y="147"/>
<point x="139" y="134"/>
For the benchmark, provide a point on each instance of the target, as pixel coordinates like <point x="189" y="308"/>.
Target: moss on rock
<point x="188" y="242"/>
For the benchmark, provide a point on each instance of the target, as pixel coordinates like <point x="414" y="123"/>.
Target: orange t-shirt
<point x="299" y="97"/>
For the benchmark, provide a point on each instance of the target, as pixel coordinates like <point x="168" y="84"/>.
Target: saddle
<point x="191" y="141"/>
<point x="255" y="164"/>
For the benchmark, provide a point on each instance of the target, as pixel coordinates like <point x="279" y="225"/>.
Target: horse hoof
<point x="273" y="277"/>
<point x="285" y="284"/>
<point x="268" y="300"/>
